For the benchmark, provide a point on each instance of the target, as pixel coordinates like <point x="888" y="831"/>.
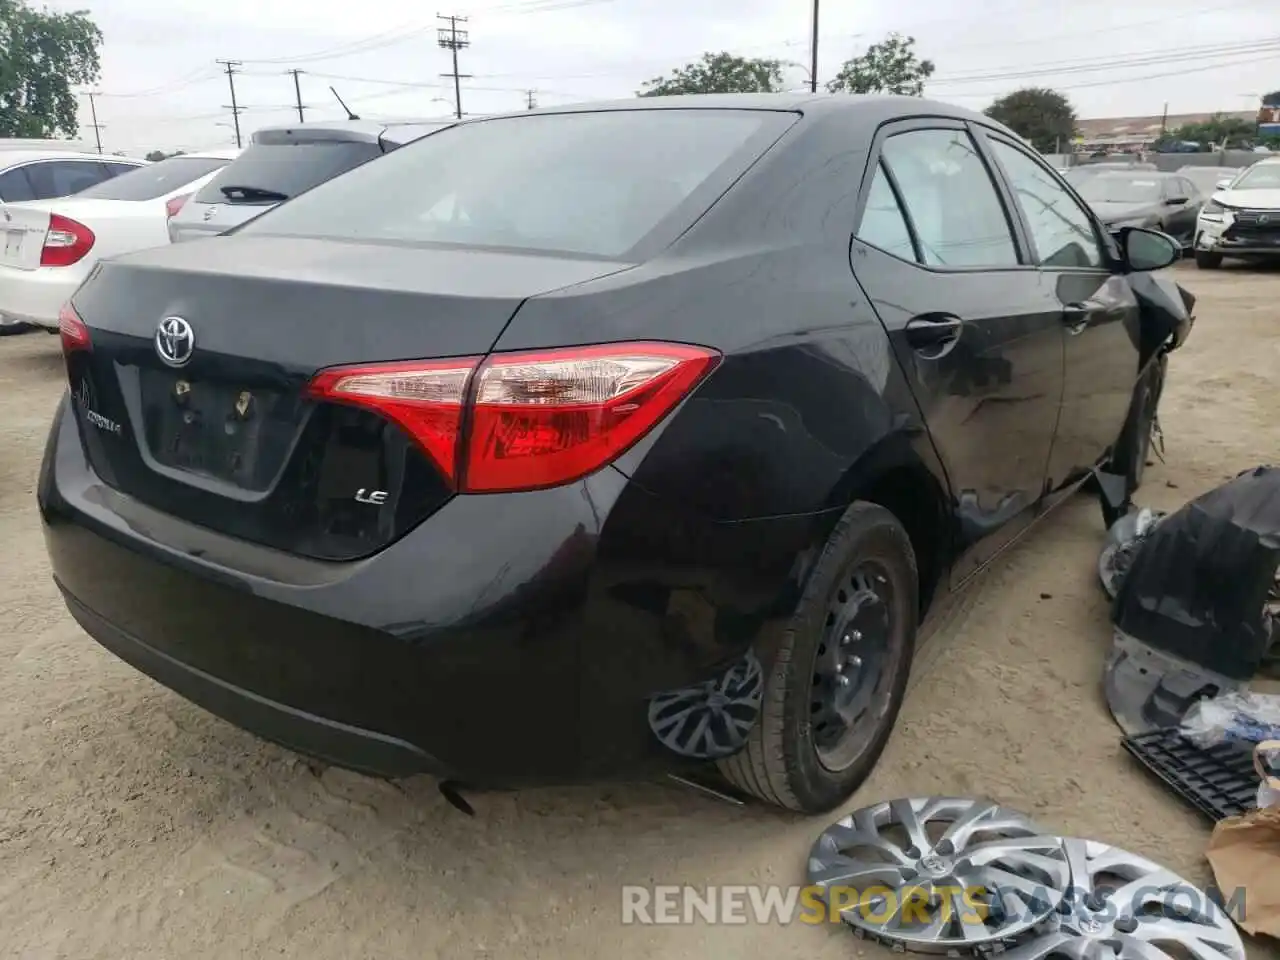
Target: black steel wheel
<point x="837" y="681"/>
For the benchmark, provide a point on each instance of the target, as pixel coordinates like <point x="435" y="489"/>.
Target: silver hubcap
<point x="1124" y="907"/>
<point x="939" y="873"/>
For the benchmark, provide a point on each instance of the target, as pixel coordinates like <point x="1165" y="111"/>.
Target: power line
<point x="453" y="40"/>
<point x="231" y="68"/>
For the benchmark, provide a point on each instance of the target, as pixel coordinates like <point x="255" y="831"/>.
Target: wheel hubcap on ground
<point x="938" y="874"/>
<point x="1124" y="907"/>
<point x="852" y="667"/>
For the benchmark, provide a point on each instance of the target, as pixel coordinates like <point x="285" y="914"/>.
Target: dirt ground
<point x="133" y="824"/>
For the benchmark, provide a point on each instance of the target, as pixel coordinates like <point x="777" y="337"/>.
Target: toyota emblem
<point x="175" y="341"/>
<point x="1264" y="218"/>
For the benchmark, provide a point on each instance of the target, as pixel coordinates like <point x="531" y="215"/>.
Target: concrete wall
<point x="1169" y="162"/>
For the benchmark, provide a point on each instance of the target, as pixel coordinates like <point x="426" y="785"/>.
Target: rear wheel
<point x="1208" y="260"/>
<point x="841" y="672"/>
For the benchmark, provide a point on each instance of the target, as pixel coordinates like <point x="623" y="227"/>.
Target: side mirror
<point x="1146" y="250"/>
<point x="1223" y="184"/>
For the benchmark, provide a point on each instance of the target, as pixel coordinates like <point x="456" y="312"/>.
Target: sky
<point x="161" y="88"/>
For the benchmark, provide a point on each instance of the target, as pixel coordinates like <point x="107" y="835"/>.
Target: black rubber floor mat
<point x="1219" y="781"/>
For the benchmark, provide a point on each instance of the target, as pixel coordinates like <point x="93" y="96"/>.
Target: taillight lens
<point x="72" y="330"/>
<point x="66" y="242"/>
<point x="525" y="421"/>
<point x="175" y="204"/>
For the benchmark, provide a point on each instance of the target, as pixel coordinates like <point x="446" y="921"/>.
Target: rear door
<point x="1096" y="307"/>
<point x="1182" y="208"/>
<point x="974" y="325"/>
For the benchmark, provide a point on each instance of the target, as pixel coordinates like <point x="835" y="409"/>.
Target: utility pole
<point x="530" y="100"/>
<point x="97" y="127"/>
<point x="297" y="92"/>
<point x="231" y="68"/>
<point x="813" y="52"/>
<point x="453" y="39"/>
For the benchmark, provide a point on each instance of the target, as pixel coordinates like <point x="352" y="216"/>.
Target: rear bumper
<point x="527" y="644"/>
<point x="36" y="296"/>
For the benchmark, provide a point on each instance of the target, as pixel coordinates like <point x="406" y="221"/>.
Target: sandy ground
<point x="133" y="824"/>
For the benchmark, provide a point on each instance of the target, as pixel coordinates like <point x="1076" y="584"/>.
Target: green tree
<point x="719" y="73"/>
<point x="44" y="55"/>
<point x="1216" y="129"/>
<point x="1038" y="114"/>
<point x="890" y="66"/>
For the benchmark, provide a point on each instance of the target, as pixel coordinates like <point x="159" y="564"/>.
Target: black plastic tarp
<point x="1199" y="585"/>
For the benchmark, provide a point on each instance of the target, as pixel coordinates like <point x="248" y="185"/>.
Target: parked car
<point x="281" y="162"/>
<point x="1084" y="171"/>
<point x="1146" y="198"/>
<point x="51" y="246"/>
<point x="1206" y="179"/>
<point x="43" y="170"/>
<point x="1242" y="219"/>
<point x="523" y="455"/>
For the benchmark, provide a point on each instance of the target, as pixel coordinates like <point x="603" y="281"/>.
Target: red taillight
<point x="66" y="242"/>
<point x="534" y="420"/>
<point x="175" y="204"/>
<point x="75" y="335"/>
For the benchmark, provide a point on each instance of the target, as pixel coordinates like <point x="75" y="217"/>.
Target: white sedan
<point x="50" y="246"/>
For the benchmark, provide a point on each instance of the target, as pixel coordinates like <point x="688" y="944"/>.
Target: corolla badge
<point x="210" y="212"/>
<point x="175" y="341"/>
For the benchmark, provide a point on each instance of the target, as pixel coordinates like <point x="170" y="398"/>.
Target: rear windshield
<point x="154" y="180"/>
<point x="271" y="173"/>
<point x="1121" y="188"/>
<point x="593" y="184"/>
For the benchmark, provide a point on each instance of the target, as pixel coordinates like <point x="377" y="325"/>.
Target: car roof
<point x="215" y="153"/>
<point x="341" y="131"/>
<point x="871" y="107"/>
<point x="14" y="156"/>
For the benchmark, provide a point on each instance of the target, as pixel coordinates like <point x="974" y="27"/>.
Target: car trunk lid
<point x="194" y="395"/>
<point x="25" y="228"/>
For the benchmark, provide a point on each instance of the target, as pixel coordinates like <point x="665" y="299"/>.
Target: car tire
<point x="1208" y="260"/>
<point x="1134" y="446"/>
<point x="782" y="762"/>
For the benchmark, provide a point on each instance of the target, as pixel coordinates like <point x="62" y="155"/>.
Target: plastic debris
<point x="1199" y="585"/>
<point x="1240" y="715"/>
<point x="1123" y="540"/>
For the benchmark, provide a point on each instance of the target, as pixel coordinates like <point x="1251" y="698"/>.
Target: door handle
<point x="933" y="335"/>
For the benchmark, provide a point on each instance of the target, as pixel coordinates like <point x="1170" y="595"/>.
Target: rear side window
<point x="14" y="186"/>
<point x="952" y="202"/>
<point x="61" y="178"/>
<point x="883" y="224"/>
<point x="154" y="180"/>
<point x="270" y="173"/>
<point x="593" y="184"/>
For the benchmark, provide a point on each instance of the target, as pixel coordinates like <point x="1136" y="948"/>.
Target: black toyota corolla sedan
<point x="597" y="442"/>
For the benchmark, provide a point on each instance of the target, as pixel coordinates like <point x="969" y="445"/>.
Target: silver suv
<point x="281" y="162"/>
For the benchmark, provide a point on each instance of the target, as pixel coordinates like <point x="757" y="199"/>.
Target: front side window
<point x="951" y="199"/>
<point x="1061" y="229"/>
<point x="591" y="183"/>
